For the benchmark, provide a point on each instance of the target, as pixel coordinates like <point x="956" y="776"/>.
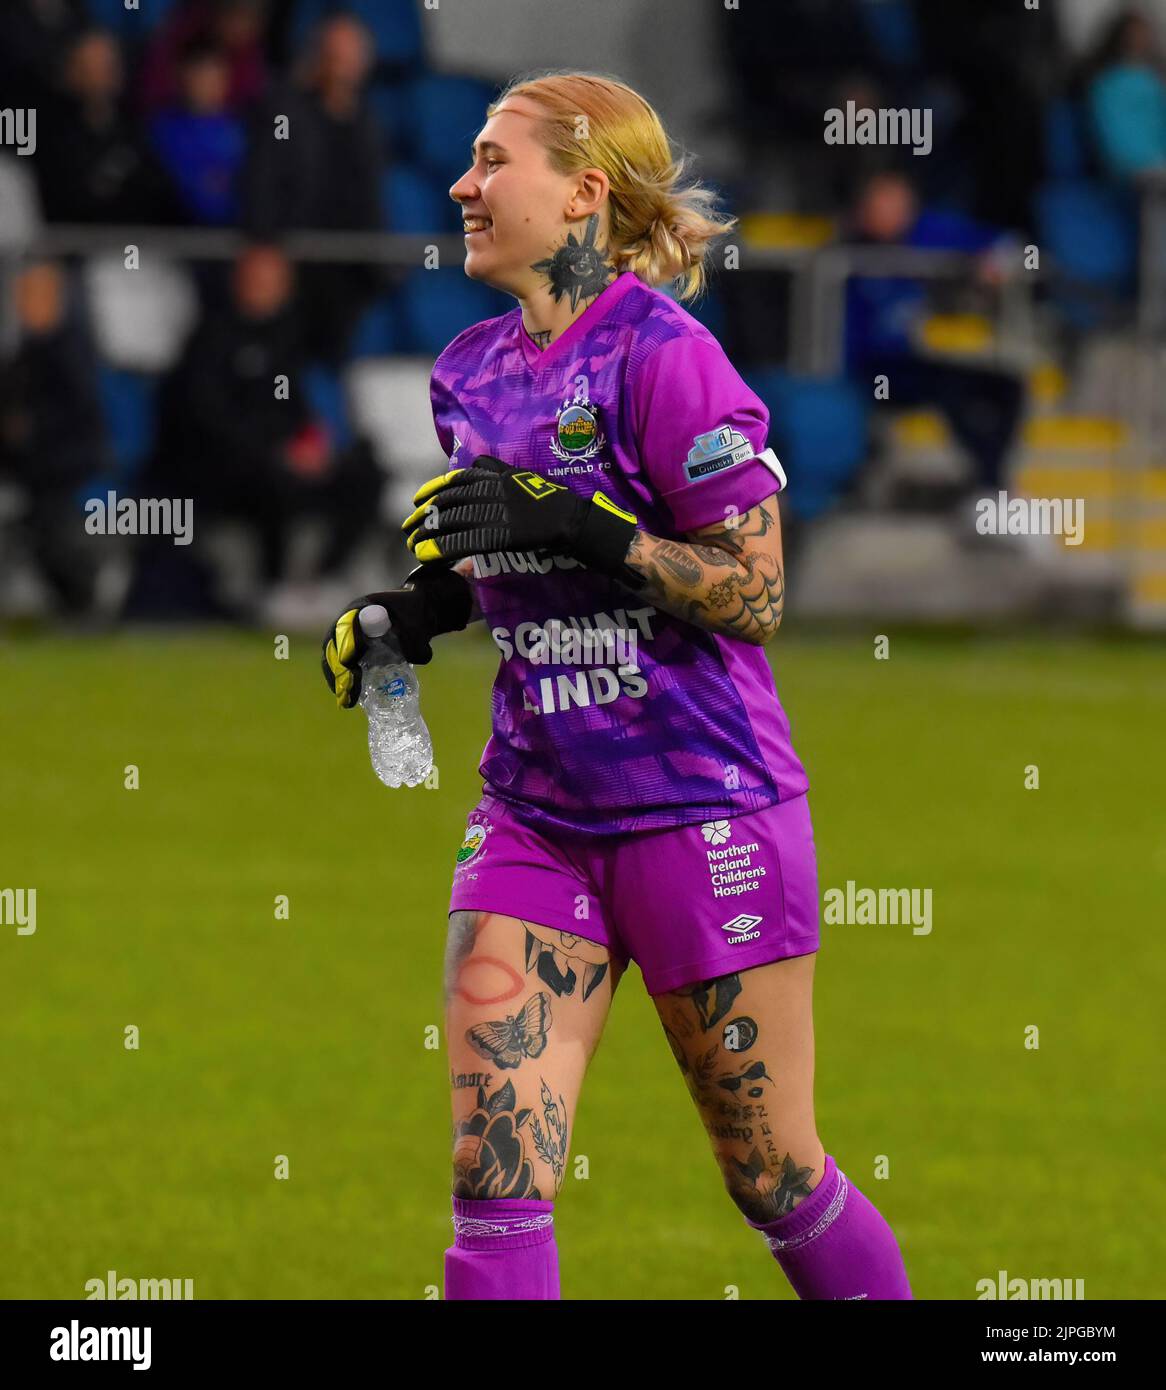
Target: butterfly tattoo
<point x="507" y="1041"/>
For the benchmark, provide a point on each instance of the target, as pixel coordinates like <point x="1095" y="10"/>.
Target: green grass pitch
<point x="306" y="1037"/>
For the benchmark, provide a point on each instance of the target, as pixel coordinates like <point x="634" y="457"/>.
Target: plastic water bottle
<point x="399" y="745"/>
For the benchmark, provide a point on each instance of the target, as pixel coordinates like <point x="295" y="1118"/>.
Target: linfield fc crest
<point x="472" y="844"/>
<point x="577" y="432"/>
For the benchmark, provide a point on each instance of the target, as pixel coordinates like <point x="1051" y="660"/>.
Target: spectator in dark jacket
<point x="52" y="436"/>
<point x="315" y="162"/>
<point x="32" y="35"/>
<point x="785" y="73"/>
<point x="92" y="164"/>
<point x="241" y="445"/>
<point x="1002" y="62"/>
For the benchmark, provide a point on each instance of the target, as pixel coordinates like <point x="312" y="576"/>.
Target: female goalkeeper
<point x="610" y="506"/>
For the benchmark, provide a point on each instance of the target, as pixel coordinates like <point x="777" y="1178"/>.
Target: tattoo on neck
<point x="542" y="338"/>
<point x="577" y="269"/>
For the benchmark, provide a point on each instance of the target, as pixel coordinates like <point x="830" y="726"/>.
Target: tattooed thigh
<point x="525" y="1007"/>
<point x="744" y="1044"/>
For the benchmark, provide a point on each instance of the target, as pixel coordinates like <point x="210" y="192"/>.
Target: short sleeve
<point x="439" y="401"/>
<point x="701" y="433"/>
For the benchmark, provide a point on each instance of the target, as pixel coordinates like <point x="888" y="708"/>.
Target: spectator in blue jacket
<point x="884" y="315"/>
<point x="200" y="143"/>
<point x="1126" y="99"/>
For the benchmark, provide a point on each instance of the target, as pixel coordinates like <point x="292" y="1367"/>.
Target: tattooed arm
<point x="726" y="577"/>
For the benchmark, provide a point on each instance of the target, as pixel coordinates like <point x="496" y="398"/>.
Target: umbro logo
<point x="741" y="928"/>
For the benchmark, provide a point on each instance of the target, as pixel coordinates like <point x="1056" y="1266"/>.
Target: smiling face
<point x="514" y="205"/>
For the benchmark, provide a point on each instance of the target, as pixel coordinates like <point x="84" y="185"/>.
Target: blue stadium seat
<point x="391" y="103"/>
<point x="128" y="402"/>
<point x="306" y="14"/>
<point x="1091" y="231"/>
<point x="818" y="429"/>
<point x="325" y="394"/>
<point x="436" y="305"/>
<point x="892" y="29"/>
<point x="378" y="333"/>
<point x="447" y="112"/>
<point x="394" y="24"/>
<point x="129" y="24"/>
<point x="709" y="310"/>
<point x="414" y="201"/>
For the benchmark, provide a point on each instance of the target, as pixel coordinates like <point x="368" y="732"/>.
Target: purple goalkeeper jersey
<point x="609" y="714"/>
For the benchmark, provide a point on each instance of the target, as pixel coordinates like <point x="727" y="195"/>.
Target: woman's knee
<point x="524" y="1011"/>
<point x="767" y="1177"/>
<point x="744" y="1044"/>
<point x="509" y="1140"/>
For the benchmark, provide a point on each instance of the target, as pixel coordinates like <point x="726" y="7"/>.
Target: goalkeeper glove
<point x="433" y="600"/>
<point x="492" y="506"/>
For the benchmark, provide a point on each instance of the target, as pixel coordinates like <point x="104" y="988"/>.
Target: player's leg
<point x="733" y="904"/>
<point x="745" y="1043"/>
<point x="525" y="1007"/>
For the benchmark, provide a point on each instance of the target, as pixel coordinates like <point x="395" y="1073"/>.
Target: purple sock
<point x="503" y="1249"/>
<point x="834" y="1244"/>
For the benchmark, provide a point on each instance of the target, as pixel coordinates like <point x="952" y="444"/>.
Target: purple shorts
<point x="686" y="904"/>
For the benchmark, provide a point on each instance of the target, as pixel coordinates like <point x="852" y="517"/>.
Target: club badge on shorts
<point x="471" y="846"/>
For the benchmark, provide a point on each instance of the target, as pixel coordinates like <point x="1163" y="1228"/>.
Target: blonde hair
<point x="658" y="229"/>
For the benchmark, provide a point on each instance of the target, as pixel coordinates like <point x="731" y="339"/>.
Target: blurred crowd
<point x="1045" y="124"/>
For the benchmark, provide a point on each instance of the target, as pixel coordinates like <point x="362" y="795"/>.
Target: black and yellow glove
<point x="492" y="506"/>
<point x="434" y="600"/>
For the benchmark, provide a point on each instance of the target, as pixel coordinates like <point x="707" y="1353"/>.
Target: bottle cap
<point x="373" y="619"/>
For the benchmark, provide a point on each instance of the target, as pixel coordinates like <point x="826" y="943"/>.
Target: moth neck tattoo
<point x="578" y="269"/>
